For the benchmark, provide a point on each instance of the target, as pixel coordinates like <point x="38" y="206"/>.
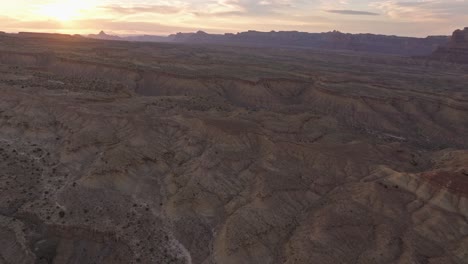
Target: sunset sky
<point x="407" y="17"/>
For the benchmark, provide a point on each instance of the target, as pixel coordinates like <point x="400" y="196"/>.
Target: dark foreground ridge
<point x="121" y="152"/>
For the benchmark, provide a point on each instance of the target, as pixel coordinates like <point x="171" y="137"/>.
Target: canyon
<point x="134" y="152"/>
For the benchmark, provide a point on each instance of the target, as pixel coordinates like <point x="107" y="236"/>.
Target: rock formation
<point x="144" y="38"/>
<point x="330" y="40"/>
<point x="456" y="50"/>
<point x="103" y="36"/>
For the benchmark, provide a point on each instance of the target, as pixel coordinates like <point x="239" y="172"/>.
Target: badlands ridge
<point x="121" y="152"/>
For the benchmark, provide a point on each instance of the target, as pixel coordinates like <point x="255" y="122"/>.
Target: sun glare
<point x="62" y="11"/>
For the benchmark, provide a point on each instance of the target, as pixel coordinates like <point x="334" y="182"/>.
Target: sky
<point x="162" y="17"/>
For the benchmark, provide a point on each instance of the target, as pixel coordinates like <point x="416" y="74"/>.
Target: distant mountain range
<point x="142" y="38"/>
<point x="335" y="40"/>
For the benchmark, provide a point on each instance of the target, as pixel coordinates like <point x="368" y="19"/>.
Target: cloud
<point x="9" y="23"/>
<point x="352" y="12"/>
<point x="429" y="10"/>
<point x="408" y="17"/>
<point x="262" y="7"/>
<point x="130" y="26"/>
<point x="217" y="14"/>
<point x="130" y="10"/>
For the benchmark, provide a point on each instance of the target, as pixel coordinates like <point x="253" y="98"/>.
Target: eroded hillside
<point x="115" y="152"/>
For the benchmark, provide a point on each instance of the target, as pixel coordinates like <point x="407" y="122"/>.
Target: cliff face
<point x="460" y="38"/>
<point x="330" y="40"/>
<point x="456" y="50"/>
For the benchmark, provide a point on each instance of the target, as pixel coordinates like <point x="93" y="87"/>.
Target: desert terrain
<point x="120" y="152"/>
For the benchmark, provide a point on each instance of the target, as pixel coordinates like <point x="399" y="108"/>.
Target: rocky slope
<point x="116" y="152"/>
<point x="456" y="50"/>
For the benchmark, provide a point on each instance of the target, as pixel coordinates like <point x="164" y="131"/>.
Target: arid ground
<point x="117" y="152"/>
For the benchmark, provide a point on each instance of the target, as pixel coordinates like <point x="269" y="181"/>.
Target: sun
<point x="62" y="11"/>
<point x="58" y="11"/>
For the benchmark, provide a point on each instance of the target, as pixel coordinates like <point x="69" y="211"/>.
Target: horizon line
<point x="225" y="33"/>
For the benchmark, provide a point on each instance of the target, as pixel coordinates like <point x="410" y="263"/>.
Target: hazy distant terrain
<point x="129" y="152"/>
<point x="371" y="43"/>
